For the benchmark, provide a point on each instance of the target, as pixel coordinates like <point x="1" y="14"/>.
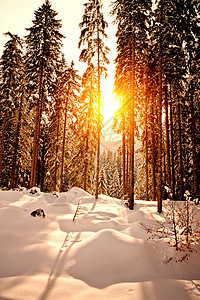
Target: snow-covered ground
<point x="105" y="253"/>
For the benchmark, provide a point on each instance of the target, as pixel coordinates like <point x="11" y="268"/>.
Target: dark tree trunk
<point x="127" y="167"/>
<point x="99" y="115"/>
<point x="16" y="146"/>
<point x="132" y="120"/>
<point x="124" y="157"/>
<point x="86" y="161"/>
<point x="146" y="146"/>
<point x="195" y="177"/>
<point x="180" y="152"/>
<point x="167" y="139"/>
<point x="2" y="138"/>
<point x="153" y="152"/>
<point x="172" y="148"/>
<point x="56" y="153"/>
<point x="63" y="147"/>
<point x="43" y="169"/>
<point x="159" y="204"/>
<point x="37" y="131"/>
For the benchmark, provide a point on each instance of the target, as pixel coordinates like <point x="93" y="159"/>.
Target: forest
<point x="51" y="120"/>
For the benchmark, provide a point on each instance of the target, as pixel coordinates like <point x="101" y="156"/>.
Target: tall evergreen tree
<point x="102" y="182"/>
<point x="72" y="89"/>
<point x="131" y="18"/>
<point x="92" y="39"/>
<point x="88" y="125"/>
<point x="11" y="89"/>
<point x="42" y="53"/>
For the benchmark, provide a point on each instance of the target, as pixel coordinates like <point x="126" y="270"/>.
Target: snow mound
<point x="103" y="253"/>
<point x="75" y="194"/>
<point x="111" y="257"/>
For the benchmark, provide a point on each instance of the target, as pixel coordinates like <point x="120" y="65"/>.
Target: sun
<point x="110" y="102"/>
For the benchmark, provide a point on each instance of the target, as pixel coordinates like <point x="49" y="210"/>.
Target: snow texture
<point x="105" y="253"/>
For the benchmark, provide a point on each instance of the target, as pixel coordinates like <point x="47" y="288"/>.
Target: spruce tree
<point x="115" y="187"/>
<point x="102" y="182"/>
<point x="88" y="125"/>
<point x="43" y="48"/>
<point x="72" y="89"/>
<point x="94" y="51"/>
<point x="11" y="90"/>
<point x="132" y="20"/>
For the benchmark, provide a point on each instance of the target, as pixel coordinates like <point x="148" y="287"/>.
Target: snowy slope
<point x="104" y="254"/>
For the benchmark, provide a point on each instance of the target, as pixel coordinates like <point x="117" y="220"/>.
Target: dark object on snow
<point x="33" y="191"/>
<point x="55" y="194"/>
<point x="38" y="212"/>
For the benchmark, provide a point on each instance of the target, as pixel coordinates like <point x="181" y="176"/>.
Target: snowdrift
<point x="105" y="253"/>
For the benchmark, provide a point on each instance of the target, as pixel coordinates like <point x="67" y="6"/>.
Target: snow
<point x="106" y="253"/>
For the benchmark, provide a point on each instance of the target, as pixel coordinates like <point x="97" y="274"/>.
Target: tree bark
<point x="4" y="128"/>
<point x="195" y="177"/>
<point x="127" y="167"/>
<point x="180" y="152"/>
<point x="56" y="152"/>
<point x="124" y="157"/>
<point x="172" y="148"/>
<point x="63" y="146"/>
<point x="16" y="146"/>
<point x="159" y="204"/>
<point x="146" y="143"/>
<point x="167" y="139"/>
<point x="37" y="130"/>
<point x="132" y="119"/>
<point x="153" y="152"/>
<point x="99" y="114"/>
<point x="2" y="138"/>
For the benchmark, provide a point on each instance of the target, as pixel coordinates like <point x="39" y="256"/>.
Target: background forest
<point x="51" y="121"/>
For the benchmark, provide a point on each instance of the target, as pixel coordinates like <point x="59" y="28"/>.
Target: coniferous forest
<point x="51" y="121"/>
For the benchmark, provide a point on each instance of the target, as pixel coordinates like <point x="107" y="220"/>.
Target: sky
<point x="16" y="15"/>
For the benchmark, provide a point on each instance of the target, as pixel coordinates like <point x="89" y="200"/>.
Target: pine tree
<point x="42" y="54"/>
<point x="115" y="187"/>
<point x="102" y="182"/>
<point x="131" y="18"/>
<point x="92" y="34"/>
<point x="11" y="89"/>
<point x="88" y="124"/>
<point x="72" y="89"/>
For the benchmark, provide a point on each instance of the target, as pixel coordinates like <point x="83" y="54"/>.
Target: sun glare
<point x="110" y="103"/>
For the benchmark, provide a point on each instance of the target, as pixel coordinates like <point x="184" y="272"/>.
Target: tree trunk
<point x="153" y="151"/>
<point x="180" y="152"/>
<point x="195" y="177"/>
<point x="167" y="139"/>
<point x="43" y="169"/>
<point x="2" y="138"/>
<point x="159" y="204"/>
<point x="124" y="157"/>
<point x="132" y="120"/>
<point x="99" y="116"/>
<point x="87" y="141"/>
<point x="37" y="131"/>
<point x="56" y="152"/>
<point x="146" y="143"/>
<point x="63" y="147"/>
<point x="127" y="168"/>
<point x="86" y="161"/>
<point x="16" y="145"/>
<point x="172" y="148"/>
<point x="4" y="129"/>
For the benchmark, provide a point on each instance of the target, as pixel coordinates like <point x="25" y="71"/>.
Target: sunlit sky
<point x="16" y="15"/>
